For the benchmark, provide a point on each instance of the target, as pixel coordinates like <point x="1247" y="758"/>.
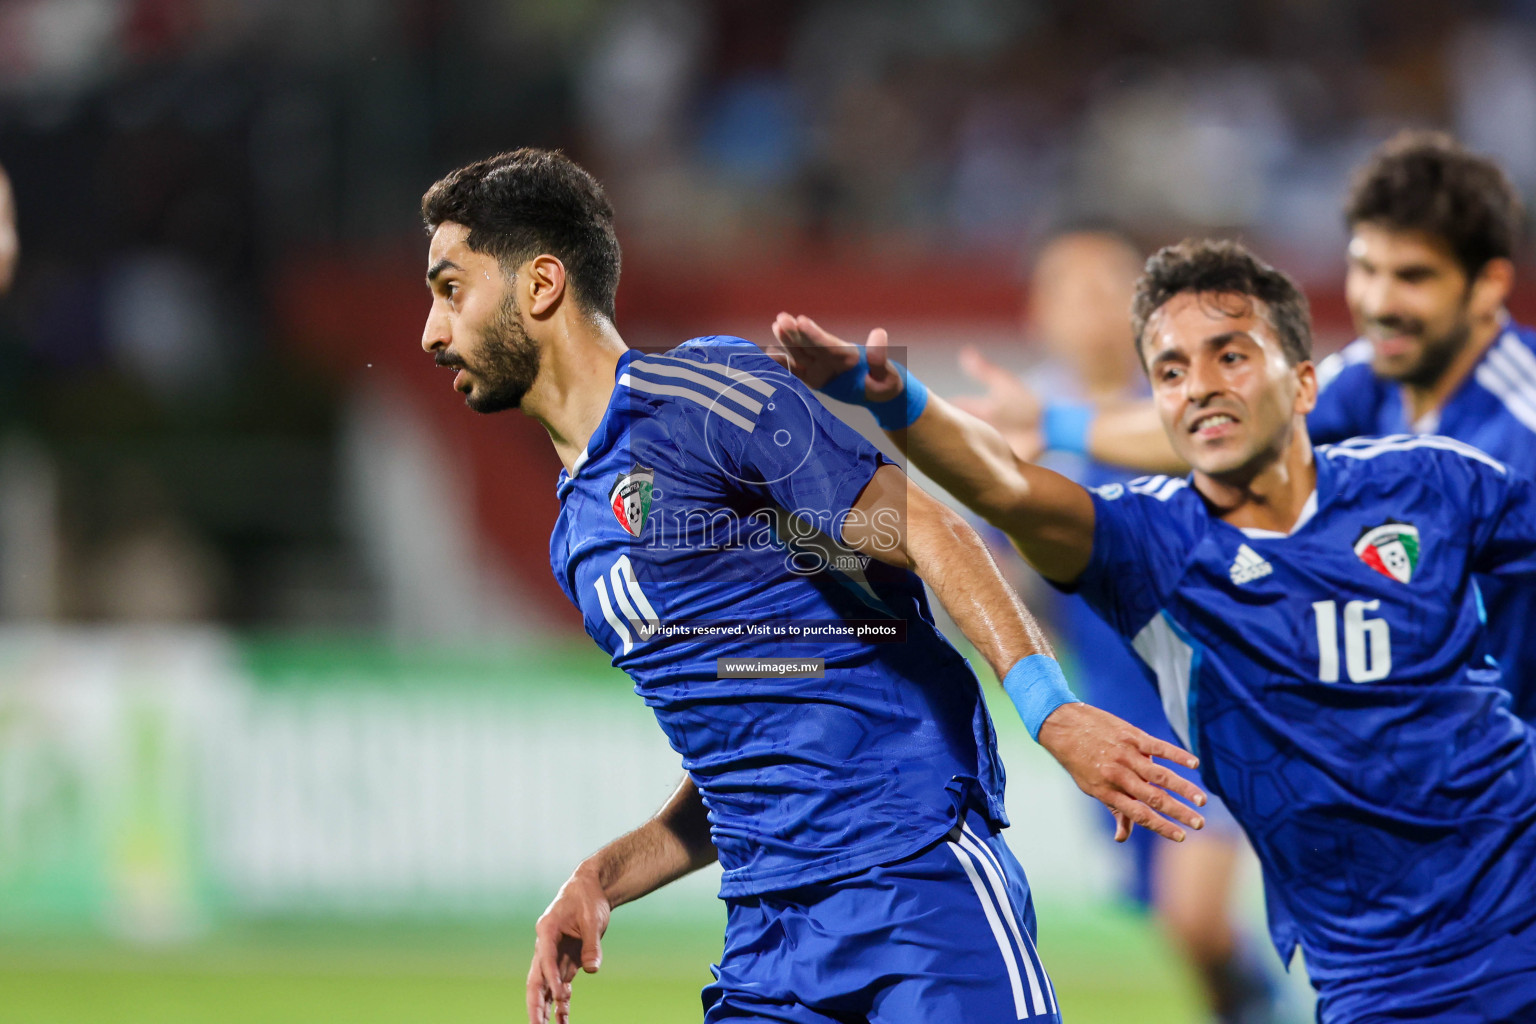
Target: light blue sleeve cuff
<point x="1065" y="426"/>
<point x="1037" y="687"/>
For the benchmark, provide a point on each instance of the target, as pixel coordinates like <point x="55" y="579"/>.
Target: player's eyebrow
<point x="437" y="269"/>
<point x="1215" y="341"/>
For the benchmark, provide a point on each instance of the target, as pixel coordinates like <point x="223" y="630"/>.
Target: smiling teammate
<point x="1433" y="231"/>
<point x="856" y="807"/>
<point x="1310" y="620"/>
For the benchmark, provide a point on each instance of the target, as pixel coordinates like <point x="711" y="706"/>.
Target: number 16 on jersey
<point x="1367" y="642"/>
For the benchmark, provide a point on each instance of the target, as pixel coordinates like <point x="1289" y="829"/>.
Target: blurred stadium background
<point x="294" y="723"/>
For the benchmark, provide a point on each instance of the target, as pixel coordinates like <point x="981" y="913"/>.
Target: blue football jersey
<point x="704" y="521"/>
<point x="1494" y="409"/>
<point x="1330" y="680"/>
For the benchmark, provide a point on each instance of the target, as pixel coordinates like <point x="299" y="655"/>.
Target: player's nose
<point x="434" y="333"/>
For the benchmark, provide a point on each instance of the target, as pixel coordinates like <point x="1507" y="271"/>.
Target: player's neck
<point x="575" y="383"/>
<point x="1421" y="400"/>
<point x="1273" y="496"/>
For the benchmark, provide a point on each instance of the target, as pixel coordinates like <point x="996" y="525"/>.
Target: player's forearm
<point x="1048" y="517"/>
<point x="969" y="458"/>
<point x="1132" y="436"/>
<point x="672" y="844"/>
<point x="965" y="580"/>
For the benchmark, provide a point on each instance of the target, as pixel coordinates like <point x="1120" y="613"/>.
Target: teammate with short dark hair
<point x="1312" y="624"/>
<point x="856" y="808"/>
<point x="1431" y="265"/>
<point x="1081" y="286"/>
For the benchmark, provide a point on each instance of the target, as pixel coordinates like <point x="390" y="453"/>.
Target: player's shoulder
<point x="1422" y="456"/>
<point x="1508" y="372"/>
<point x="1349" y="367"/>
<point x="1168" y="499"/>
<point x="719" y="381"/>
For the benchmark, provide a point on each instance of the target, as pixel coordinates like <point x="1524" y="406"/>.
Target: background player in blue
<point x="1311" y="620"/>
<point x="707" y="494"/>
<point x="1433" y="231"/>
<point x="1080" y="288"/>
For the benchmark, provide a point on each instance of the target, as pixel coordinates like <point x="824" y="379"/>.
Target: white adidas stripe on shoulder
<point x="1509" y="373"/>
<point x="1356" y="352"/>
<point x="712" y="403"/>
<point x="1370" y="447"/>
<point x="742" y="377"/>
<point x="686" y="373"/>
<point x="1160" y="487"/>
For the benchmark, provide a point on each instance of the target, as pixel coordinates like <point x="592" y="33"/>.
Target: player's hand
<point x="1111" y="761"/>
<point x="567" y="937"/>
<point x="815" y="355"/>
<point x="1007" y="404"/>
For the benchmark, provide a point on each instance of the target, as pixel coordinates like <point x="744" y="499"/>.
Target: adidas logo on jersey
<point x="1248" y="566"/>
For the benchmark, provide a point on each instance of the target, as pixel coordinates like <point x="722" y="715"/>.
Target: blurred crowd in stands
<point x="167" y="454"/>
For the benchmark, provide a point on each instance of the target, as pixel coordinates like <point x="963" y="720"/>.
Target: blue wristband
<point x="1065" y="426"/>
<point x="901" y="412"/>
<point x="893" y="414"/>
<point x="848" y="386"/>
<point x="1037" y="687"/>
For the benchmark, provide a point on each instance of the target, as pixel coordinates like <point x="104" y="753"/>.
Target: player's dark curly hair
<point x="530" y="202"/>
<point x="1427" y="181"/>
<point x="1222" y="268"/>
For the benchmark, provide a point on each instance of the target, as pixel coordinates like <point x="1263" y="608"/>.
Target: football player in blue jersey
<point x="712" y="512"/>
<point x="1080" y="288"/>
<point x="1312" y="622"/>
<point x="1433" y="231"/>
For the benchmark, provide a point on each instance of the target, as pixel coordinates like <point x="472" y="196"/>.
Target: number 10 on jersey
<point x="1367" y="642"/>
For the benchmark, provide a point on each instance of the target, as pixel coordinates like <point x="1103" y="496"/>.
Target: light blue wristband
<point x="1037" y="687"/>
<point x="894" y="414"/>
<point x="1065" y="426"/>
<point x="901" y="412"/>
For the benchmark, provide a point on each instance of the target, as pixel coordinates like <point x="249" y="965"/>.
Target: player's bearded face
<point x="501" y="364"/>
<point x="1226" y="393"/>
<point x="1410" y="297"/>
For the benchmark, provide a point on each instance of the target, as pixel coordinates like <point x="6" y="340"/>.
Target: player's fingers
<point x="1160" y="802"/>
<point x="1154" y="747"/>
<point x="1122" y="827"/>
<point x="544" y="987"/>
<point x="815" y="334"/>
<point x="591" y="944"/>
<point x="538" y="1002"/>
<point x="1173" y="782"/>
<point x="787" y="329"/>
<point x="980" y="368"/>
<point x="1140" y="814"/>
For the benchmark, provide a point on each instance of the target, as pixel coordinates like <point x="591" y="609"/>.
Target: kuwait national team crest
<point x="631" y="498"/>
<point x="1392" y="549"/>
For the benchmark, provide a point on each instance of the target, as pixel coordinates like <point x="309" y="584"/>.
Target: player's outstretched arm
<point x="897" y="522"/>
<point x="569" y="933"/>
<point x="1048" y="517"/>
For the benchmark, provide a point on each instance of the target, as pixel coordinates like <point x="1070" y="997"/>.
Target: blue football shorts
<point x="1492" y="984"/>
<point x="946" y="936"/>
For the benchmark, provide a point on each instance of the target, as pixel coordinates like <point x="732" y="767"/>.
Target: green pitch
<point x="1109" y="967"/>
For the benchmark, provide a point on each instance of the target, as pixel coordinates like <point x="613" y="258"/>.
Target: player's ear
<point x="546" y="284"/>
<point x="1491" y="287"/>
<point x="1306" y="390"/>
